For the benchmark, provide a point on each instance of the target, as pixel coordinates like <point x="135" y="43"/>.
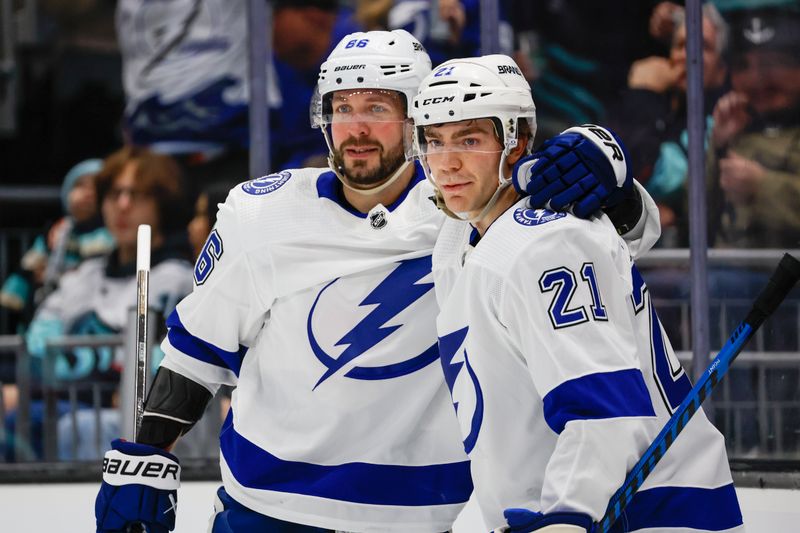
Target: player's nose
<point x="358" y="128"/>
<point x="450" y="161"/>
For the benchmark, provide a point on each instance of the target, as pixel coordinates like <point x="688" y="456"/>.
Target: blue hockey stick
<point x="780" y="283"/>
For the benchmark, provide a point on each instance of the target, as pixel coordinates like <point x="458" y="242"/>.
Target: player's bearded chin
<point x="362" y="173"/>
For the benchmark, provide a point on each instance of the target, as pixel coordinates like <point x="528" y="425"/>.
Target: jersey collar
<point x="329" y="186"/>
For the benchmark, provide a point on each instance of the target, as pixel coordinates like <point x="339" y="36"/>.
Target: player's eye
<point x="343" y="108"/>
<point x="433" y="143"/>
<point x="472" y="142"/>
<point x="378" y="108"/>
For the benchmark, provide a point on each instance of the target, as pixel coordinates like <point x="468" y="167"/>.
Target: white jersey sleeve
<point x="210" y="330"/>
<point x="647" y="230"/>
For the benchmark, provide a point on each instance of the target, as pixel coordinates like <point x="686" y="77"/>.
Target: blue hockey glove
<point x="586" y="167"/>
<point x="140" y="484"/>
<point x="524" y="521"/>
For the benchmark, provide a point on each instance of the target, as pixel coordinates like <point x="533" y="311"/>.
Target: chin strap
<point x="339" y="174"/>
<point x="372" y="190"/>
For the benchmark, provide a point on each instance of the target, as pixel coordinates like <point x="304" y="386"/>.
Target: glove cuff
<point x="613" y="151"/>
<point x="561" y="528"/>
<point x="525" y="521"/>
<point x="135" y="448"/>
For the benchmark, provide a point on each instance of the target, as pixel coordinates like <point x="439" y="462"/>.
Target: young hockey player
<point x="313" y="297"/>
<point x="556" y="361"/>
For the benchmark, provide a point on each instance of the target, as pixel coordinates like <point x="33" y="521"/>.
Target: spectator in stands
<point x="135" y="186"/>
<point x="185" y="67"/>
<point x="583" y="51"/>
<point x="754" y="168"/>
<point x="452" y="31"/>
<point x="651" y="117"/>
<point x="77" y="236"/>
<point x="664" y="20"/>
<point x="753" y="175"/>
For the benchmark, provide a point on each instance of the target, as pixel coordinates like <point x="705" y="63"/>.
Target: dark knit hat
<point x="775" y="29"/>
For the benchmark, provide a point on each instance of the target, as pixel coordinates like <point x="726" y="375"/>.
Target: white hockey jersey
<point x="324" y="320"/>
<point x="562" y="375"/>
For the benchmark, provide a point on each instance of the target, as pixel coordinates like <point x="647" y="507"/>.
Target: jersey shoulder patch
<point x="266" y="184"/>
<point x="535" y="217"/>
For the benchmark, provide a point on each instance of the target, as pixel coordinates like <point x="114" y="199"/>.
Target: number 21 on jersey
<point x="673" y="384"/>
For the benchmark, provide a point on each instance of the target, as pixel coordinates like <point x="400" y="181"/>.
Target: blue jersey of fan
<point x="562" y="375"/>
<point x="323" y="319"/>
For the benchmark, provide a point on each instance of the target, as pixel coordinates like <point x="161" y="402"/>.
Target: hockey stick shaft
<point x="140" y="369"/>
<point x="142" y="294"/>
<point x="780" y="283"/>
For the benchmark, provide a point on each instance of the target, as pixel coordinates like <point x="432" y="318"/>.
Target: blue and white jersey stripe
<point x="622" y="393"/>
<point x="257" y="468"/>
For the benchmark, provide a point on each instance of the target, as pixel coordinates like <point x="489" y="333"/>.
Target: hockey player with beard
<point x="552" y="350"/>
<point x="313" y="298"/>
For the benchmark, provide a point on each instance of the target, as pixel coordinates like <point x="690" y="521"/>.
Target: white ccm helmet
<point x="490" y="87"/>
<point x="375" y="60"/>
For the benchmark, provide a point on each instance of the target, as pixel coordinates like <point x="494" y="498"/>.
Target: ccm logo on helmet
<point x="438" y="100"/>
<point x="349" y="67"/>
<point x="508" y="69"/>
<point x="155" y="470"/>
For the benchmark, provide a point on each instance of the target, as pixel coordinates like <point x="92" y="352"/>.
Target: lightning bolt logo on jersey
<point x="467" y="394"/>
<point x="394" y="295"/>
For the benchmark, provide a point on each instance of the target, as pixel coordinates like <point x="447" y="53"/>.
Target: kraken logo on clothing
<point x="466" y="393"/>
<point x="382" y="335"/>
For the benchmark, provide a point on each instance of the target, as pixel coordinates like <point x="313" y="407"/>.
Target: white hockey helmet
<point x="387" y="60"/>
<point x="482" y="87"/>
<point x="490" y="87"/>
<point x="369" y="61"/>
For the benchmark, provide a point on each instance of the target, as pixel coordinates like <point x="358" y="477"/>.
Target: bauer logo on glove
<point x="154" y="470"/>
